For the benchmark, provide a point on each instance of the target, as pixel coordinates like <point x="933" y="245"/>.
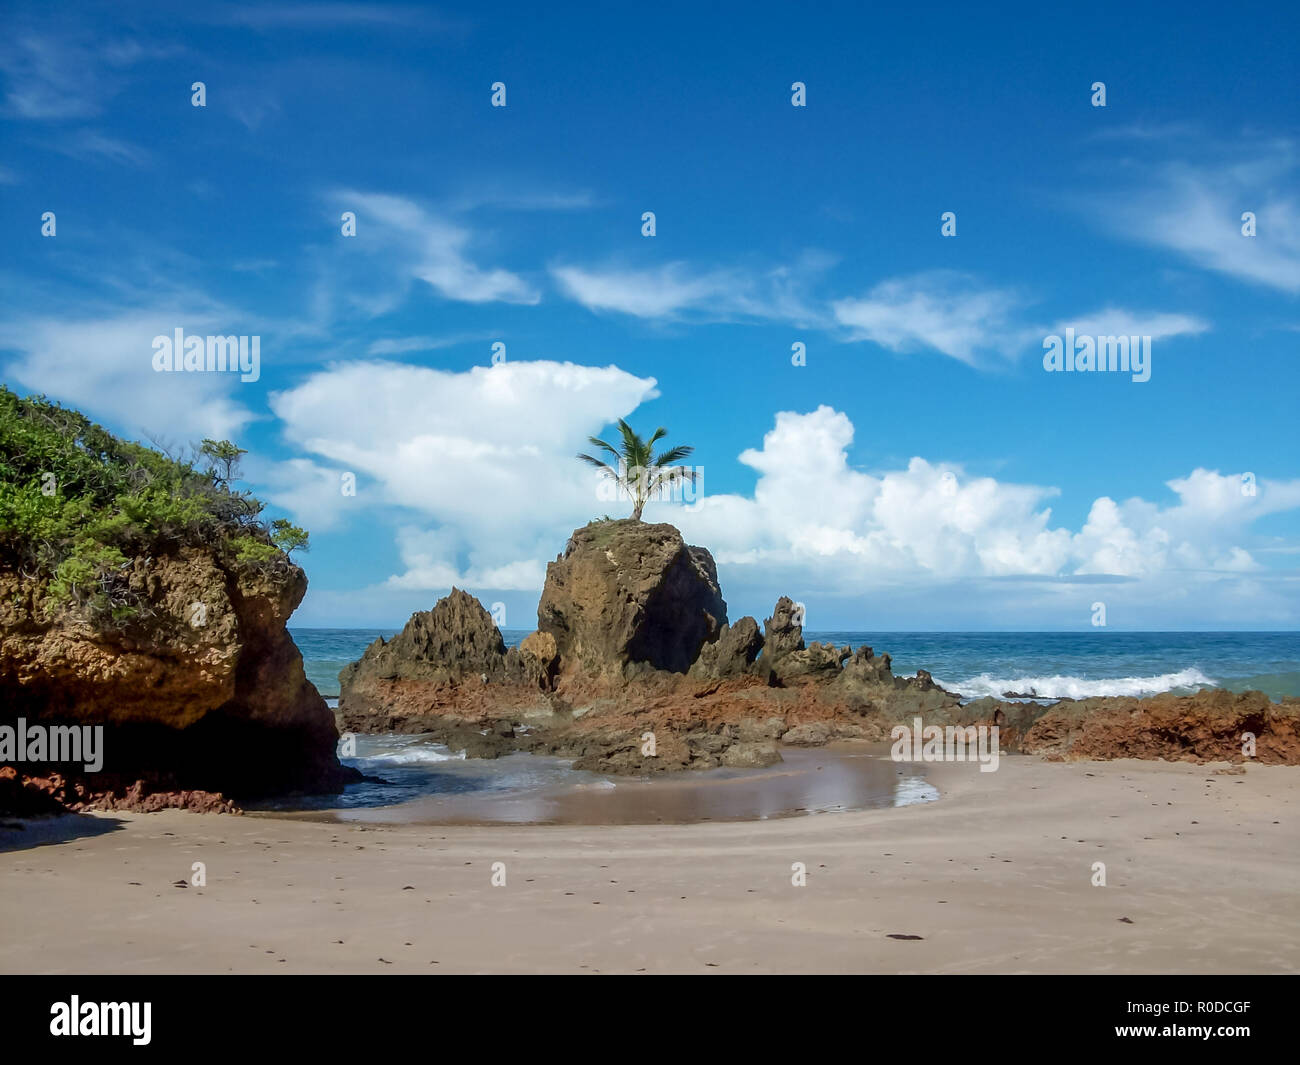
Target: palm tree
<point x="637" y="473"/>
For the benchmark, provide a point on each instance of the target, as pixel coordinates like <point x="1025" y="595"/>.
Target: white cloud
<point x="66" y="77"/>
<point x="486" y="455"/>
<point x="398" y="240"/>
<point x="812" y="512"/>
<point x="1114" y="321"/>
<point x="939" y="310"/>
<point x="817" y="527"/>
<point x="87" y="144"/>
<point x="104" y="366"/>
<point x="676" y="291"/>
<point x="478" y="468"/>
<point x="1195" y="209"/>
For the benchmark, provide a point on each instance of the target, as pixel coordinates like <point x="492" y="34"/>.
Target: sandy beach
<point x="1202" y="866"/>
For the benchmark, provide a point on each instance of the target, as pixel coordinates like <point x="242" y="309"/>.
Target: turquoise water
<point x="1049" y="664"/>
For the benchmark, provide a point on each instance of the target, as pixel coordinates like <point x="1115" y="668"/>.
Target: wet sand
<point x="1202" y="871"/>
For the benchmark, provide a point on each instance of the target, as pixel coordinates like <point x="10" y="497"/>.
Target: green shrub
<point x="77" y="503"/>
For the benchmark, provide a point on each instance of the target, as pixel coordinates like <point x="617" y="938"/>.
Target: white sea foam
<point x="411" y="755"/>
<point x="1062" y="687"/>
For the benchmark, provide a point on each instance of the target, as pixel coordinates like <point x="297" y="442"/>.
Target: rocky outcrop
<point x="454" y="641"/>
<point x="1209" y="726"/>
<point x="732" y="654"/>
<point x="635" y="669"/>
<point x="625" y="592"/>
<point x="202" y="691"/>
<point x="783" y="631"/>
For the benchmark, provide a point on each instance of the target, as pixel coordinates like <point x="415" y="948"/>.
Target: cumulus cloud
<point x="811" y="510"/>
<point x="485" y="455"/>
<point x="475" y="471"/>
<point x="105" y="366"/>
<point x="816" y="526"/>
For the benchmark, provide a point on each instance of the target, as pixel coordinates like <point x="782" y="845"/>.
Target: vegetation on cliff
<point x="78" y="504"/>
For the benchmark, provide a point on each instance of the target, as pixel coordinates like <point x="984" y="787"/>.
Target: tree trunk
<point x="636" y="510"/>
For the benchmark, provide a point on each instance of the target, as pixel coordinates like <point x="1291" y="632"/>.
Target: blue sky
<point x="921" y="471"/>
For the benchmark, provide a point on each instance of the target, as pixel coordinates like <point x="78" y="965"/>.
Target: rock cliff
<point x="142" y="596"/>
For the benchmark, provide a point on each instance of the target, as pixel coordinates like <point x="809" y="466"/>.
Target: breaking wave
<point x="1061" y="687"/>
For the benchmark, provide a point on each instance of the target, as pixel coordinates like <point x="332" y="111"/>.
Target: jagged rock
<point x="732" y="654"/>
<point x="541" y="645"/>
<point x="783" y="631"/>
<point x="815" y="660"/>
<point x="628" y="592"/>
<point x="865" y="671"/>
<point x="924" y="682"/>
<point x="454" y="642"/>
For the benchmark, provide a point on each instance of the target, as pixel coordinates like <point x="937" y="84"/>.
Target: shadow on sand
<point x="21" y="833"/>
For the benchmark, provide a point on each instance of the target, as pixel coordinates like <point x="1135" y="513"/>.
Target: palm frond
<point x="604" y="446"/>
<point x="674" y="454"/>
<point x="600" y="465"/>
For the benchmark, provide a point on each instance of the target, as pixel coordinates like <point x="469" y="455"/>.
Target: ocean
<point x="1051" y="665"/>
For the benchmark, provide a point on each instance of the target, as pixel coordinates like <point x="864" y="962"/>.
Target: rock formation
<point x="222" y="706"/>
<point x="142" y="596"/>
<point x="635" y="669"/>
<point x="625" y="592"/>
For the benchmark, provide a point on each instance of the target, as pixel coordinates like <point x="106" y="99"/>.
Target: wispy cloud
<point x="940" y="310"/>
<point x="88" y="144"/>
<point x="405" y="345"/>
<point x="49" y="79"/>
<point x="55" y="79"/>
<point x="981" y="325"/>
<point x="1114" y="321"/>
<point x="1195" y="208"/>
<point x="677" y="291"/>
<point x="251" y="107"/>
<point x="330" y="15"/>
<point x="400" y="241"/>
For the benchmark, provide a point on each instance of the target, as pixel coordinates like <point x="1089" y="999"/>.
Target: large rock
<point x="454" y="641"/>
<point x="626" y="592"/>
<point x="204" y="689"/>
